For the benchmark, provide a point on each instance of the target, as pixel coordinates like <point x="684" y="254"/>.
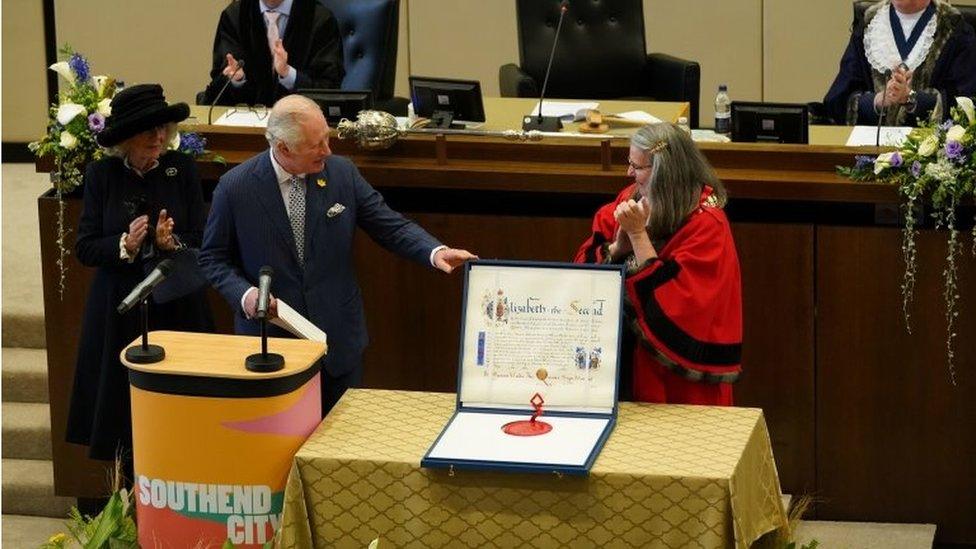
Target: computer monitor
<point x="444" y="101"/>
<point x="769" y="122"/>
<point x="339" y="104"/>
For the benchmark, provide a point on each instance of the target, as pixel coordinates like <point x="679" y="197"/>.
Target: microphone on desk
<point x="884" y="108"/>
<point x="264" y="361"/>
<point x="539" y="122"/>
<point x="240" y="66"/>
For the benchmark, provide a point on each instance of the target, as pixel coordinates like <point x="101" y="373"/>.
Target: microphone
<point x="547" y="123"/>
<point x="144" y="288"/>
<point x="264" y="291"/>
<point x="240" y="65"/>
<point x="884" y="109"/>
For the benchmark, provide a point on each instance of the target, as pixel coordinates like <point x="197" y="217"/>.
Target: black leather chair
<point x="601" y="54"/>
<point x="369" y="31"/>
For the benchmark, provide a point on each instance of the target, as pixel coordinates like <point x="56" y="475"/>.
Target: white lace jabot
<point x="880" y="48"/>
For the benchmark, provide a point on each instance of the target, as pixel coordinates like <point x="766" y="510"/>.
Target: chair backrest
<point x="601" y="50"/>
<point x="860" y="6"/>
<point x="369" y="30"/>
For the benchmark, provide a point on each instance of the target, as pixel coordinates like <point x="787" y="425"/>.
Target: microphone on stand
<point x="144" y="288"/>
<point x="264" y="291"/>
<point x="884" y="109"/>
<point x="145" y="353"/>
<point x="539" y="122"/>
<point x="264" y="361"/>
<point x="240" y="65"/>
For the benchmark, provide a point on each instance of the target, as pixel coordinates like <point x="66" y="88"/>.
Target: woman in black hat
<point x="142" y="204"/>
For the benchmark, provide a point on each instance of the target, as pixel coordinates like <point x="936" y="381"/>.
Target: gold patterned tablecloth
<point x="669" y="476"/>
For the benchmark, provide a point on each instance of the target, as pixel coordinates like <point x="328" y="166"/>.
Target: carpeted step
<point x="865" y="535"/>
<point x="24" y="375"/>
<point x="23" y="330"/>
<point x="28" y="489"/>
<point x="26" y="430"/>
<point x="25" y="531"/>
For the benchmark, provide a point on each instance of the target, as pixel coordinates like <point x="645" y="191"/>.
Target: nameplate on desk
<point x="890" y="136"/>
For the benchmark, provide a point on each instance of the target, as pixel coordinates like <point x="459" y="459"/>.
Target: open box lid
<point x="547" y="328"/>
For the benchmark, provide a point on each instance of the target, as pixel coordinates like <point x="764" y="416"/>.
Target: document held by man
<point x="290" y="320"/>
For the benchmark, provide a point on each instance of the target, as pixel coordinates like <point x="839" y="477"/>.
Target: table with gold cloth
<point x="669" y="476"/>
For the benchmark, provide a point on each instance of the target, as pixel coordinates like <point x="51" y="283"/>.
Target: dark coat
<point x="949" y="71"/>
<point x="311" y="39"/>
<point x="99" y="416"/>
<point x="248" y="228"/>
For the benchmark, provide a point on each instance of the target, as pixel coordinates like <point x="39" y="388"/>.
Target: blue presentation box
<point x="534" y="332"/>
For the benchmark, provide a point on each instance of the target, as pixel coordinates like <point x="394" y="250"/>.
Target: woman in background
<point x="683" y="288"/>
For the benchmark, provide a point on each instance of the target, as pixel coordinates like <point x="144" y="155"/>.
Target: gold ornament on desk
<point x="379" y="130"/>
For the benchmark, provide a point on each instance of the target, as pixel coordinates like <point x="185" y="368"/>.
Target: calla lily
<point x="68" y="141"/>
<point x="966" y="104"/>
<point x="100" y="81"/>
<point x="928" y="146"/>
<point x="882" y="162"/>
<point x="105" y="107"/>
<point x="62" y="68"/>
<point x="174" y="144"/>
<point x="68" y="111"/>
<point x="955" y="133"/>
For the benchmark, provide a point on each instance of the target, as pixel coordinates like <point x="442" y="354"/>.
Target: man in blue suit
<point x="296" y="208"/>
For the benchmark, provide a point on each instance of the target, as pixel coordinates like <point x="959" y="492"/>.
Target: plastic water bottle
<point x="723" y="111"/>
<point x="683" y="124"/>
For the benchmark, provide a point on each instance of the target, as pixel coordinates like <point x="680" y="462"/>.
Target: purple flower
<point x="953" y="149"/>
<point x="896" y="160"/>
<point x="96" y="122"/>
<point x="944" y="127"/>
<point x="916" y="169"/>
<point x="192" y="143"/>
<point x="863" y="161"/>
<point x="79" y="65"/>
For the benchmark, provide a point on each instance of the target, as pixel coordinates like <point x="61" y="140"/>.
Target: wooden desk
<point x="852" y="401"/>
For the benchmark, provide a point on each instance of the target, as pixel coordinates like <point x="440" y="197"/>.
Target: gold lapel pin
<point x="321" y="183"/>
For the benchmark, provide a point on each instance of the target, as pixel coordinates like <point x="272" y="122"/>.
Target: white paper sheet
<point x="244" y="118"/>
<point x="566" y="110"/>
<point x="479" y="436"/>
<point x="639" y="116"/>
<point x="891" y="136"/>
<point x="297" y="324"/>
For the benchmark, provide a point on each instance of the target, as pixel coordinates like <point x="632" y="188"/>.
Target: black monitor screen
<point x="339" y="104"/>
<point x="460" y="98"/>
<point x="769" y="122"/>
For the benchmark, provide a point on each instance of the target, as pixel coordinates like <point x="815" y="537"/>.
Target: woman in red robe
<point x="683" y="288"/>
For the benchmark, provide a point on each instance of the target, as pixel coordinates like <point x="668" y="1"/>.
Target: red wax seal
<point x="530" y="427"/>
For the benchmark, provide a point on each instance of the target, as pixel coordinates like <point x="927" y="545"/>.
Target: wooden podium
<point x="212" y="442"/>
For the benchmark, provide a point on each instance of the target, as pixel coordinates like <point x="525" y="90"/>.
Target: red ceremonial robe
<point x="685" y="306"/>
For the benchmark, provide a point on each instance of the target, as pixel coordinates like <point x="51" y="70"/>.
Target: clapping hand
<point x="231" y="70"/>
<point x="164" y="232"/>
<point x="137" y="233"/>
<point x="280" y="60"/>
<point x="632" y="216"/>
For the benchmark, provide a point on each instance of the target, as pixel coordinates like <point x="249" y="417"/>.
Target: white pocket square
<point x="335" y="210"/>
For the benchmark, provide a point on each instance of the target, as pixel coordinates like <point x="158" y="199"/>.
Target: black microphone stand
<point x="264" y="361"/>
<point x="145" y="353"/>
<point x="539" y="122"/>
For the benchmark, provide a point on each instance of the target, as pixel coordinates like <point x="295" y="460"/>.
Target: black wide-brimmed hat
<point x="136" y="109"/>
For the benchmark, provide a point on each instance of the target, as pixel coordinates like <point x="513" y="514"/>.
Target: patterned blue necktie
<point x="296" y="214"/>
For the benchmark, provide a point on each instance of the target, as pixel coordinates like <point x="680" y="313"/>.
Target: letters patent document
<point x="552" y="331"/>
